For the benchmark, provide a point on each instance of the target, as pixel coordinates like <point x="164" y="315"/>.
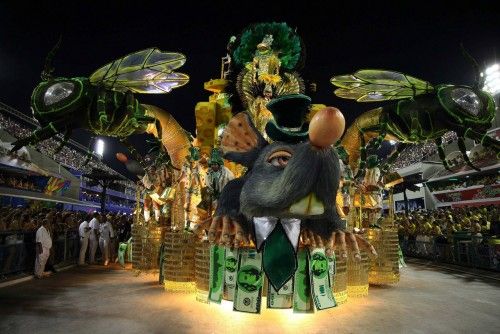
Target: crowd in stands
<point x="67" y="156"/>
<point x="90" y="197"/>
<point x="18" y="182"/>
<point x="446" y="221"/>
<point x="466" y="236"/>
<point x="469" y="182"/>
<point x="419" y="152"/>
<point x="93" y="197"/>
<point x="124" y="186"/>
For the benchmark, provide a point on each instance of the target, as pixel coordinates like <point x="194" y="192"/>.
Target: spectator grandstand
<point x="68" y="156"/>
<point x="419" y="152"/>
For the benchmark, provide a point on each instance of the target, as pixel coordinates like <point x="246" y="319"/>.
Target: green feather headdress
<point x="286" y="43"/>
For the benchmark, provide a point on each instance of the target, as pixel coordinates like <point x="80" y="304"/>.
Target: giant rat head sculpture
<point x="289" y="186"/>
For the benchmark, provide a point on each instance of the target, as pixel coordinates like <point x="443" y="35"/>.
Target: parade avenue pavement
<point x="98" y="299"/>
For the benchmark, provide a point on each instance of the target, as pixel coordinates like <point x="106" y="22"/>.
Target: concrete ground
<point x="111" y="300"/>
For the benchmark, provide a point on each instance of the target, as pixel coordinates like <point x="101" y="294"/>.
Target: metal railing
<point x="17" y="250"/>
<point x="463" y="249"/>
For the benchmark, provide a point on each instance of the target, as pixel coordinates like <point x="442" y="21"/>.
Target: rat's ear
<point x="241" y="141"/>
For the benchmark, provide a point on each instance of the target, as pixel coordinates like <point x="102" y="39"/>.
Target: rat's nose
<point x="326" y="127"/>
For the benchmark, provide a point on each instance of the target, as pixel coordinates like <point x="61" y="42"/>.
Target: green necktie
<point x="279" y="259"/>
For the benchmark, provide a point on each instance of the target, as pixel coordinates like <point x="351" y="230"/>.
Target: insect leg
<point x="132" y="106"/>
<point x="392" y="158"/>
<point x="135" y="154"/>
<point x="463" y="150"/>
<point x="64" y="141"/>
<point x="439" y="144"/>
<point x="375" y="143"/>
<point x="485" y="140"/>
<point x="362" y="156"/>
<point x="101" y="109"/>
<point x="89" y="152"/>
<point x="39" y="135"/>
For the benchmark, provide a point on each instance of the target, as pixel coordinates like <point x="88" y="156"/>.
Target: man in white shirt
<point x="84" y="232"/>
<point x="43" y="246"/>
<point x="106" y="233"/>
<point x="94" y="236"/>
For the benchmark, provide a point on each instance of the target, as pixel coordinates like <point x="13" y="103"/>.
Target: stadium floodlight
<point x="492" y="79"/>
<point x="99" y="148"/>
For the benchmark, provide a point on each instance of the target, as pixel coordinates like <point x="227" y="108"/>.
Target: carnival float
<point x="270" y="199"/>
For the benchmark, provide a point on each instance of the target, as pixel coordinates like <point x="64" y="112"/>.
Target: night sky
<point x="421" y="40"/>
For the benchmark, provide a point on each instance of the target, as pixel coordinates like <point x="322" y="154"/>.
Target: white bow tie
<point x="265" y="225"/>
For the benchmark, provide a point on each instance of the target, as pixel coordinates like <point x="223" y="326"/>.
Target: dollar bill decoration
<point x="202" y="296"/>
<point x="216" y="280"/>
<point x="249" y="281"/>
<point x="322" y="294"/>
<point x="282" y="298"/>
<point x="230" y="266"/>
<point x="302" y="301"/>
<point x="332" y="267"/>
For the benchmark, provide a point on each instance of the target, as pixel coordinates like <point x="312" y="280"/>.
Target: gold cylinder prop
<point x="357" y="276"/>
<point x="340" y="280"/>
<point x="178" y="263"/>
<point x="178" y="221"/>
<point x="384" y="269"/>
<point x="202" y="271"/>
<point x="146" y="242"/>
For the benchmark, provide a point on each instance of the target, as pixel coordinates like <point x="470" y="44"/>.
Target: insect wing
<point x="148" y="71"/>
<point x="379" y="85"/>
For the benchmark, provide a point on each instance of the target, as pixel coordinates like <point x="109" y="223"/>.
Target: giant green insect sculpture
<point x="103" y="103"/>
<point x="423" y="112"/>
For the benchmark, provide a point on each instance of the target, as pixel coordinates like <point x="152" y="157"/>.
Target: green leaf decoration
<point x="379" y="85"/>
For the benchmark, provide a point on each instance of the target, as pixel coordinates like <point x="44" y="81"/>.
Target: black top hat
<point x="289" y="122"/>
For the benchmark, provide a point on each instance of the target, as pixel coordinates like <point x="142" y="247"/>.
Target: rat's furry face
<point x="291" y="181"/>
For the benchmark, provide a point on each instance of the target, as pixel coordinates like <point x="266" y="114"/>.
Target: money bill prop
<point x="230" y="266"/>
<point x="302" y="301"/>
<point x="332" y="268"/>
<point x="321" y="289"/>
<point x="216" y="280"/>
<point x="249" y="281"/>
<point x="282" y="298"/>
<point x="202" y="296"/>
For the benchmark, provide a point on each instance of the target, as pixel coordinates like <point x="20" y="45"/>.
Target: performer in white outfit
<point x="84" y="232"/>
<point x="106" y="233"/>
<point x="43" y="246"/>
<point x="94" y="236"/>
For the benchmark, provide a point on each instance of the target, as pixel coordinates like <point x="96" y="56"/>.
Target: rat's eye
<point x="279" y="158"/>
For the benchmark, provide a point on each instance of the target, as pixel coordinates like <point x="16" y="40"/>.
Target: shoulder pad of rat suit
<point x="241" y="141"/>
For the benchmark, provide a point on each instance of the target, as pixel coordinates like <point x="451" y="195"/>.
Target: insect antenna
<point x="48" y="68"/>
<point x="479" y="81"/>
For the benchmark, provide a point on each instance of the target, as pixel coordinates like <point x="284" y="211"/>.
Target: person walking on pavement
<point x="84" y="232"/>
<point x="106" y="233"/>
<point x="94" y="236"/>
<point x="43" y="246"/>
